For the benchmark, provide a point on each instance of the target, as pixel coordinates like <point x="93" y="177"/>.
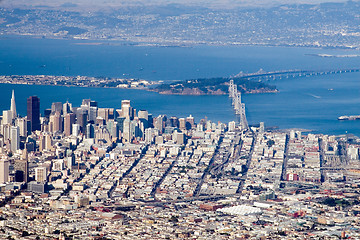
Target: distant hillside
<point x="213" y="86"/>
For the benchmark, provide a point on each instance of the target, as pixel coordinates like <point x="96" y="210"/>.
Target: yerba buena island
<point x="178" y="119"/>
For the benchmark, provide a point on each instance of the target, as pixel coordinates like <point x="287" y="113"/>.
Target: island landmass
<point x="213" y="86"/>
<point x="203" y="86"/>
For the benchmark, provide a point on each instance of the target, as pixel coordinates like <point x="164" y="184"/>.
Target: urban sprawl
<point x="102" y="173"/>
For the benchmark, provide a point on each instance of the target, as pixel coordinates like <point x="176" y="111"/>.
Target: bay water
<point x="309" y="102"/>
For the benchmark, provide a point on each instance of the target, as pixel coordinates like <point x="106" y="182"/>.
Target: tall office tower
<point x="182" y="123"/>
<point x="14" y="138"/>
<point x="7" y="117"/>
<point x="81" y="119"/>
<point x="45" y="142"/>
<point x="86" y="102"/>
<point x="22" y="124"/>
<point x="56" y="107"/>
<point x="33" y="112"/>
<point x="48" y="142"/>
<point x="41" y="143"/>
<point x="103" y="113"/>
<point x="174" y="121"/>
<point x="150" y="120"/>
<point x="75" y="129"/>
<point x="134" y="129"/>
<point x="159" y="123"/>
<point x="6" y="130"/>
<point x="56" y="122"/>
<point x="92" y="114"/>
<point x="126" y="134"/>
<point x="126" y="109"/>
<point x="106" y="113"/>
<point x="68" y="122"/>
<point x="190" y="122"/>
<point x="143" y="116"/>
<point x="113" y="128"/>
<point x="41" y="174"/>
<point x="21" y="168"/>
<point x="13" y="105"/>
<point x="67" y="108"/>
<point x="90" y="131"/>
<point x="4" y="170"/>
<point x="149" y="136"/>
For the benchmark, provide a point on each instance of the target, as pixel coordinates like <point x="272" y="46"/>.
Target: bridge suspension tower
<point x="238" y="106"/>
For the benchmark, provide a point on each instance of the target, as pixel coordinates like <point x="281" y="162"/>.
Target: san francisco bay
<point x="311" y="103"/>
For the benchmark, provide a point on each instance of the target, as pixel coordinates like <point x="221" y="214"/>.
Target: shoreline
<point x="95" y="82"/>
<point x="100" y="41"/>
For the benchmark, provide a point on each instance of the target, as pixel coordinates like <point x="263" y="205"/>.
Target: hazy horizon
<point x="98" y="4"/>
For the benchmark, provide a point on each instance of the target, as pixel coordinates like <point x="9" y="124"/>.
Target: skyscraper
<point x="33" y="112"/>
<point x="21" y="170"/>
<point x="22" y="123"/>
<point x="68" y="122"/>
<point x="15" y="138"/>
<point x="4" y="170"/>
<point x="126" y="109"/>
<point x="56" y="121"/>
<point x="13" y="105"/>
<point x="7" y="117"/>
<point x="56" y="107"/>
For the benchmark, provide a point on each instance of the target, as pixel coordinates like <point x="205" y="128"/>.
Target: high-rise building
<point x="92" y="114"/>
<point x="190" y="122"/>
<point x="56" y="107"/>
<point x="90" y="131"/>
<point x="56" y="122"/>
<point x="6" y="131"/>
<point x="33" y="112"/>
<point x="81" y="119"/>
<point x="174" y="122"/>
<point x="45" y="142"/>
<point x="144" y="117"/>
<point x="182" y="123"/>
<point x="14" y="138"/>
<point x="21" y="170"/>
<point x="106" y="113"/>
<point x="149" y="135"/>
<point x="13" y="105"/>
<point x="68" y="122"/>
<point x="159" y="123"/>
<point x="67" y="108"/>
<point x="4" y="170"/>
<point x="7" y="117"/>
<point x="22" y="123"/>
<point x="75" y="129"/>
<point x="126" y="134"/>
<point x="41" y="174"/>
<point x="126" y="109"/>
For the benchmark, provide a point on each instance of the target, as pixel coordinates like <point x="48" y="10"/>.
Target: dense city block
<point x="92" y="172"/>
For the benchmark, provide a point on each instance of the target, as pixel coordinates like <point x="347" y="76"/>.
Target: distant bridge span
<point x="292" y="73"/>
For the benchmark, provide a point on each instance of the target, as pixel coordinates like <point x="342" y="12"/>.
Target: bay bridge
<point x="261" y="75"/>
<point x="239" y="107"/>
